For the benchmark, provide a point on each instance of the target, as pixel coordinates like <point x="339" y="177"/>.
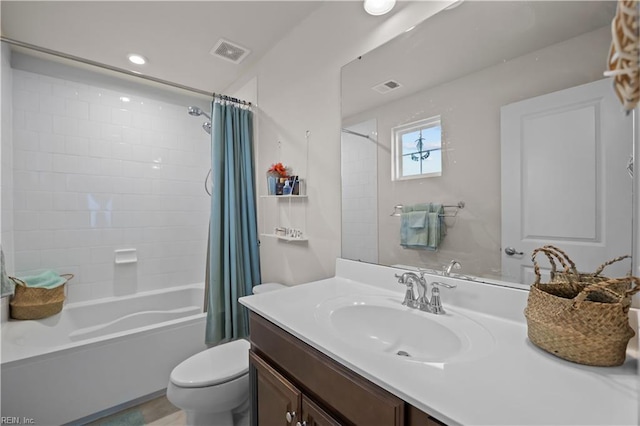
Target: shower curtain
<point x="233" y="261"/>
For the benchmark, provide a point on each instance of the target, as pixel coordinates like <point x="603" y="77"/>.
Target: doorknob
<point x="290" y="416"/>
<point x="510" y="251"/>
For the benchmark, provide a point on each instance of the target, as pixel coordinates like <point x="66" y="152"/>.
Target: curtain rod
<point x="358" y="134"/>
<point x="105" y="66"/>
<point x="230" y="99"/>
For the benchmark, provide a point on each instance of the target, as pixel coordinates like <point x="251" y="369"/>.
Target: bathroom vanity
<point x="292" y="382"/>
<point x="345" y="351"/>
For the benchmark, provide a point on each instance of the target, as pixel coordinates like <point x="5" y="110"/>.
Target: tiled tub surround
<point x="99" y="355"/>
<point x="513" y="384"/>
<point x="97" y="170"/>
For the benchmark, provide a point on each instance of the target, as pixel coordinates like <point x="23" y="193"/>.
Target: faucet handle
<point x="409" y="295"/>
<point x="436" y="302"/>
<point x="439" y="284"/>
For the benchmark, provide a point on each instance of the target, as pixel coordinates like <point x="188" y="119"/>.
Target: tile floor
<point x="157" y="412"/>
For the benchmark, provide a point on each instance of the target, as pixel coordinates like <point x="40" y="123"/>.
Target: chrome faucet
<point x="436" y="303"/>
<point x="408" y="279"/>
<point x="454" y="264"/>
<point x="422" y="303"/>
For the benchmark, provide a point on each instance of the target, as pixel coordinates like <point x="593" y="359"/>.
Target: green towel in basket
<point x="47" y="279"/>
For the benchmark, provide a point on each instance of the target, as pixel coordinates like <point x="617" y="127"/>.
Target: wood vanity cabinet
<point x="294" y="384"/>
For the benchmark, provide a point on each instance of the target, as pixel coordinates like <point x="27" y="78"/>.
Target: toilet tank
<point x="265" y="287"/>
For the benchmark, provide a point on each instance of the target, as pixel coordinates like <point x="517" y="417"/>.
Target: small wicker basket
<point x="31" y="303"/>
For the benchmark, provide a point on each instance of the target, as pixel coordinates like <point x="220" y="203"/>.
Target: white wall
<point x="299" y="91"/>
<point x="470" y="111"/>
<point x="93" y="173"/>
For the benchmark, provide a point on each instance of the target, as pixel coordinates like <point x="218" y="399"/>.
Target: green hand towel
<point x="436" y="227"/>
<point x="47" y="279"/>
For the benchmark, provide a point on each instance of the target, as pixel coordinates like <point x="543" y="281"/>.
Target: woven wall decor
<point x="624" y="54"/>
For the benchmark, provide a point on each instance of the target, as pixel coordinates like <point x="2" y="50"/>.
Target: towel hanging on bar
<point x="422" y="227"/>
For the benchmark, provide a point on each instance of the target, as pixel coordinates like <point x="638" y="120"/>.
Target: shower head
<point x="207" y="127"/>
<point x="195" y="111"/>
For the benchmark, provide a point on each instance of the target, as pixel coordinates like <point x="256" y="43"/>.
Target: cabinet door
<point x="278" y="401"/>
<point x="312" y="415"/>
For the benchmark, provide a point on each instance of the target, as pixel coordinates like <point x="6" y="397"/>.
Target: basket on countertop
<point x="570" y="273"/>
<point x="586" y="323"/>
<point x="30" y="303"/>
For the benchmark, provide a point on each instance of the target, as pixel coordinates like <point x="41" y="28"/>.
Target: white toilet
<point x="213" y="385"/>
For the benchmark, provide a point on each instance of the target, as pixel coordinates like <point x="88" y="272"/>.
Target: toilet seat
<point x="214" y="366"/>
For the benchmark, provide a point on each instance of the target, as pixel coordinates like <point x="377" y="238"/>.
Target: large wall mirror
<point x="533" y="145"/>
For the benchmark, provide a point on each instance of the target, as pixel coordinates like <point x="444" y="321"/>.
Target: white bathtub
<point x="97" y="355"/>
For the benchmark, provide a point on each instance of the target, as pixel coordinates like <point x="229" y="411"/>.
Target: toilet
<point x="212" y="386"/>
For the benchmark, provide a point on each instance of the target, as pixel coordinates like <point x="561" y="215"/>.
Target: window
<point x="417" y="149"/>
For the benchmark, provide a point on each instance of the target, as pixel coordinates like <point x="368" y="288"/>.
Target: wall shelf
<point x="283" y="238"/>
<point x="286" y="213"/>
<point x="283" y="196"/>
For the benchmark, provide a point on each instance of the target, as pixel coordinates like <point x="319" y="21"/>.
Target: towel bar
<point x="397" y="209"/>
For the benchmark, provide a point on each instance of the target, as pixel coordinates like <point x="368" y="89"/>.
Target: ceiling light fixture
<point x="378" y="7"/>
<point x="137" y="59"/>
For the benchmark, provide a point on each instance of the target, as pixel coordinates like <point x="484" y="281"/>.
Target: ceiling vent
<point x="387" y="86"/>
<point x="229" y="51"/>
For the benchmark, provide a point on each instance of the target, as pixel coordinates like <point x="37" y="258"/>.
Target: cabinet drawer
<point x="355" y="399"/>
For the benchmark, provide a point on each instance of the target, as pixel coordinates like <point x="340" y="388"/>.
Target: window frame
<point x="397" y="154"/>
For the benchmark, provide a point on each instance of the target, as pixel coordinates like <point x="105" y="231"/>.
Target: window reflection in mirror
<point x="417" y="149"/>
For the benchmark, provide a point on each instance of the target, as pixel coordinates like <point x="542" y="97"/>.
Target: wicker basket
<point x="30" y="303"/>
<point x="570" y="272"/>
<point x="570" y="275"/>
<point x="582" y="322"/>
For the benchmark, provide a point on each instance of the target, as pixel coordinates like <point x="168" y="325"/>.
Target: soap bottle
<point x="286" y="190"/>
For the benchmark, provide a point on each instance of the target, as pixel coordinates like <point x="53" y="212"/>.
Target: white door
<point x="564" y="179"/>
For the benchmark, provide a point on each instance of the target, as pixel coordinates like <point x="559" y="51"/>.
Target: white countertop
<point x="514" y="384"/>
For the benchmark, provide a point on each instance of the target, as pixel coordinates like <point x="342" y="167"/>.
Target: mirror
<point x="526" y="160"/>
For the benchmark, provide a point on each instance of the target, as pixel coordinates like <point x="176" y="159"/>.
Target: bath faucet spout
<point x="454" y="264"/>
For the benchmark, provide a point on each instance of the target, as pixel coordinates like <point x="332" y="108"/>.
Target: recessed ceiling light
<point x="125" y="99"/>
<point x="137" y="59"/>
<point x="378" y="7"/>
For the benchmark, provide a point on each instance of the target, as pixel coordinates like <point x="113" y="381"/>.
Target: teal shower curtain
<point x="233" y="263"/>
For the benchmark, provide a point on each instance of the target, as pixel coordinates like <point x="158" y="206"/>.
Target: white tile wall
<point x="93" y="174"/>
<point x="6" y="167"/>
<point x="360" y="194"/>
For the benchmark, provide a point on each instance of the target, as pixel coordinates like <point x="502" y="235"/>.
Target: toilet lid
<point x="213" y="366"/>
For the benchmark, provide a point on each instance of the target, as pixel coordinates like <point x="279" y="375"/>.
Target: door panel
<point x="276" y="396"/>
<point x="564" y="179"/>
<point x="313" y="415"/>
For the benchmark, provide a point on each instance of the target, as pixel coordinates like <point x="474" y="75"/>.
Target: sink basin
<point x="382" y="325"/>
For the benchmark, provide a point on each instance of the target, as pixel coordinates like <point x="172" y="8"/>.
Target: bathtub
<point x="98" y="356"/>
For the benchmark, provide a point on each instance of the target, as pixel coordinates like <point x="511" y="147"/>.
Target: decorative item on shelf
<point x="275" y="175"/>
<point x="286" y="189"/>
<point x="289" y="233"/>
<point x="300" y="187"/>
<point x="294" y="233"/>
